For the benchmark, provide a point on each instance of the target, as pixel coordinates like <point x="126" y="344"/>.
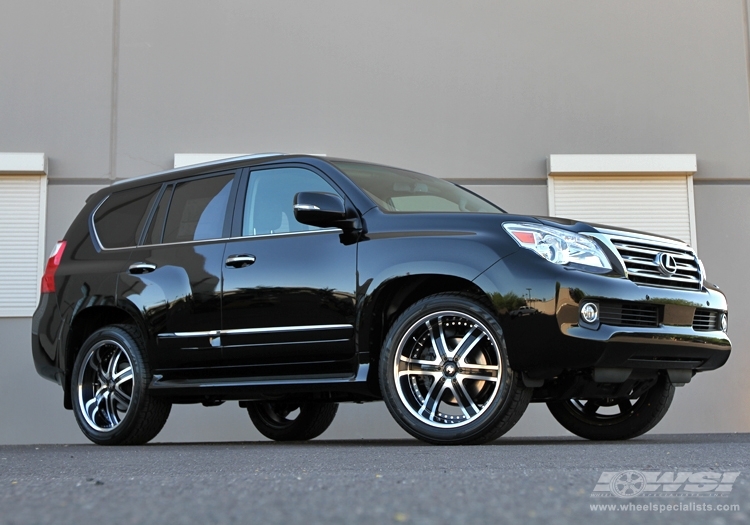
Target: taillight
<point x="48" y="280"/>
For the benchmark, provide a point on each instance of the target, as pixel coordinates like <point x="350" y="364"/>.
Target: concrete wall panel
<point x="480" y="91"/>
<point x="55" y="83"/>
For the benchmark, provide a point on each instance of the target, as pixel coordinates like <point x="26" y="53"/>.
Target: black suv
<point x="291" y="283"/>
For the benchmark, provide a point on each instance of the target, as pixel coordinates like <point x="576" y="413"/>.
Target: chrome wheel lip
<point x="446" y="369"/>
<point x="105" y="385"/>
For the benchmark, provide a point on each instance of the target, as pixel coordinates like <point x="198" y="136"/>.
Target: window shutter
<point x="658" y="198"/>
<point x="23" y="199"/>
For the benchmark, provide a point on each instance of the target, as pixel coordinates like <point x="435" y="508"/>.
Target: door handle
<point x="240" y="261"/>
<point x="140" y="267"/>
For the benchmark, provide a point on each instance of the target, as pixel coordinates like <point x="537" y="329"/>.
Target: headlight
<point x="558" y="246"/>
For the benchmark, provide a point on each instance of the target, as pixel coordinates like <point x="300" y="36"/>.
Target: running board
<point x="238" y="387"/>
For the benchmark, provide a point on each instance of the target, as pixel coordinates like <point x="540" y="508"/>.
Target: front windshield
<point x="401" y="191"/>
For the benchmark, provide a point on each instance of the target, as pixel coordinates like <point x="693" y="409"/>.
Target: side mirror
<point x="324" y="210"/>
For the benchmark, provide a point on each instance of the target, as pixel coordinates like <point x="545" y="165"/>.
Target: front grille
<point x="639" y="256"/>
<point x="706" y="320"/>
<point x="629" y="314"/>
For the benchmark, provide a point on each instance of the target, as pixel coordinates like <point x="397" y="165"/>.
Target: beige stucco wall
<point x="481" y="91"/>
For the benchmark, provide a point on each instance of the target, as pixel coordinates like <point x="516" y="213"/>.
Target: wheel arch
<point x="394" y="296"/>
<point x="82" y="326"/>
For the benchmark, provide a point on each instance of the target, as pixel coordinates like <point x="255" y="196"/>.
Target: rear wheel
<point x="444" y="372"/>
<point x="615" y="419"/>
<point x="290" y="421"/>
<point x="109" y="384"/>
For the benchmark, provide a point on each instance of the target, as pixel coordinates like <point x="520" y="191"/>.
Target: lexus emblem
<point x="666" y="263"/>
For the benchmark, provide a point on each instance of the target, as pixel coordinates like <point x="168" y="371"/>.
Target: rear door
<point x="174" y="276"/>
<point x="289" y="288"/>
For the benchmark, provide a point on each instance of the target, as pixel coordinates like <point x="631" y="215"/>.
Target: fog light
<point x="724" y="322"/>
<point x="590" y="312"/>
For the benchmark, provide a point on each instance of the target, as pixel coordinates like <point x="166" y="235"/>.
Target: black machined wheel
<point x="444" y="372"/>
<point x="615" y="419"/>
<point x="105" y="385"/>
<point x="291" y="421"/>
<point x="109" y="389"/>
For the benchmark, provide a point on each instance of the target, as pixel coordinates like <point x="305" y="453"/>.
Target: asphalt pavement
<point x="676" y="479"/>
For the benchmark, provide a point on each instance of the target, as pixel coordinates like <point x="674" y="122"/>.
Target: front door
<point x="289" y="288"/>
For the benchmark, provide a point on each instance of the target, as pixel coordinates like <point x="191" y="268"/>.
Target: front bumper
<point x="538" y="304"/>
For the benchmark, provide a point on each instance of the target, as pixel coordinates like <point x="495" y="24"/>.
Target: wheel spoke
<point x="420" y="372"/>
<point x="466" y="345"/>
<point x="477" y="376"/>
<point x="438" y="344"/>
<point x="126" y="374"/>
<point x="591" y="407"/>
<point x="464" y="400"/>
<point x="92" y="403"/>
<point x="430" y="400"/>
<point x="472" y="366"/>
<point x="96" y="364"/>
<point x="122" y="397"/>
<point x="420" y="362"/>
<point x="624" y="406"/>
<point x="112" y="366"/>
<point x="438" y="398"/>
<point x="93" y="414"/>
<point x="111" y="409"/>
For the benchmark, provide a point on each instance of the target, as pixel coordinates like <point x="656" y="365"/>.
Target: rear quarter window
<point x="120" y="219"/>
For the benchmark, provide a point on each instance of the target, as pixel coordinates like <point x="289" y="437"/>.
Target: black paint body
<point x="193" y="308"/>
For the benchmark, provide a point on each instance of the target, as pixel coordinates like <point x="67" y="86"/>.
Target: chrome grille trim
<point x="638" y="256"/>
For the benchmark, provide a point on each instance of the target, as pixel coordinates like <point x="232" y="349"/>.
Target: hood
<point x="581" y="227"/>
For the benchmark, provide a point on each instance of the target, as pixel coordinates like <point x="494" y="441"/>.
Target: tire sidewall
<point x="124" y="429"/>
<point x="312" y="420"/>
<point x="465" y="433"/>
<point x="644" y="416"/>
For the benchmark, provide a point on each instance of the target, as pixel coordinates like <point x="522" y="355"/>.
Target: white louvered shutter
<point x="23" y="200"/>
<point x="660" y="205"/>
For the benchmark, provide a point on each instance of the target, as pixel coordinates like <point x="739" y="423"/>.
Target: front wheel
<point x="444" y="372"/>
<point x="290" y="421"/>
<point x="615" y="419"/>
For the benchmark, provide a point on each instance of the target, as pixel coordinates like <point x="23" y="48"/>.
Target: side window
<point x="155" y="230"/>
<point x="269" y="205"/>
<point x="197" y="209"/>
<point x="119" y="221"/>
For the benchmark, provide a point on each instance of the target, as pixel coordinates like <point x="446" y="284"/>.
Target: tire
<point x="271" y="419"/>
<point x="588" y="418"/>
<point x="444" y="372"/>
<point x="109" y="389"/>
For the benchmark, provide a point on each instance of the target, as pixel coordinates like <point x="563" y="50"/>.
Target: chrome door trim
<point x="268" y="330"/>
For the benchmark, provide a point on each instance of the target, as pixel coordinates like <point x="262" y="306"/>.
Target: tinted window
<point x="396" y="190"/>
<point x="198" y="209"/>
<point x="120" y="219"/>
<point x="155" y="230"/>
<point x="269" y="206"/>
